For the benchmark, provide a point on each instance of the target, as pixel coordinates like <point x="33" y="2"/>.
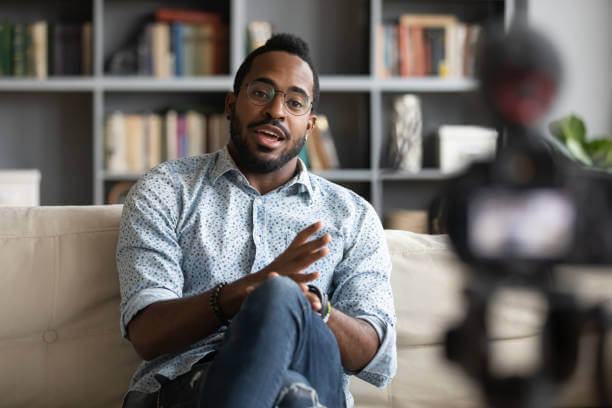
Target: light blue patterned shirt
<point x="191" y="223"/>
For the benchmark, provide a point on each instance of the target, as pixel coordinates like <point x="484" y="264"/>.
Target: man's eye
<point x="296" y="104"/>
<point x="260" y="94"/>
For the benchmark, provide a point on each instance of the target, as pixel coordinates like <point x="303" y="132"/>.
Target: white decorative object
<point x="19" y="188"/>
<point x="460" y="145"/>
<point x="406" y="145"/>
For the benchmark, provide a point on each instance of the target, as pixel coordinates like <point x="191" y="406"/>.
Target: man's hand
<point x="300" y="255"/>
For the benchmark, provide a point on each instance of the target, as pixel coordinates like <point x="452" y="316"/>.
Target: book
<point x="37" y="49"/>
<point x="153" y="140"/>
<point x="87" y="49"/>
<point x="331" y="159"/>
<point x="313" y="151"/>
<point x="171" y="134"/>
<point x="181" y="135"/>
<point x="135" y="137"/>
<point x="190" y="49"/>
<point x="115" y="149"/>
<point x="177" y="31"/>
<point x="218" y="132"/>
<point x="6" y="47"/>
<point x="205" y="49"/>
<point x="437" y="39"/>
<point x="161" y="57"/>
<point x="196" y="133"/>
<point x="19" y="50"/>
<point x="65" y="41"/>
<point x="205" y="40"/>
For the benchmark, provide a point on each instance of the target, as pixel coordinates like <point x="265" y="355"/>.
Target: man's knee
<point x="276" y="293"/>
<point x="296" y="392"/>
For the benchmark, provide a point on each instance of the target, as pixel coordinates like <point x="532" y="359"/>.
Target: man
<point x="216" y="253"/>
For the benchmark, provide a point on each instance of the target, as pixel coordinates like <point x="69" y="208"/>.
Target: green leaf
<point x="600" y="151"/>
<point x="578" y="151"/>
<point x="573" y="128"/>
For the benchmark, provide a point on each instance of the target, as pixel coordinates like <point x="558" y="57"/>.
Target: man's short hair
<point x="280" y="42"/>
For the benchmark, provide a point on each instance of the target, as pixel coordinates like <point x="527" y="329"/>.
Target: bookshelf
<point x="66" y="139"/>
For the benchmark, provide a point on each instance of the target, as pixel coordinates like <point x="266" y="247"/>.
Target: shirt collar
<point x="225" y="164"/>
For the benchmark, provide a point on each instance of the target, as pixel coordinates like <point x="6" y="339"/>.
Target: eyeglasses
<point x="262" y="93"/>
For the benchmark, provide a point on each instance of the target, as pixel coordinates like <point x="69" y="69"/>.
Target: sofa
<point x="60" y="343"/>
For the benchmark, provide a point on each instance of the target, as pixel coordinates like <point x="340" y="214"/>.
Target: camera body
<point x="513" y="219"/>
<point x="528" y="210"/>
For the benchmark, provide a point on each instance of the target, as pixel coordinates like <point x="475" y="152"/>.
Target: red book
<point x="171" y="15"/>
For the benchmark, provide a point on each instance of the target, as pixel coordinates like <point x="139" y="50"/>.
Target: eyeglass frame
<point x="309" y="103"/>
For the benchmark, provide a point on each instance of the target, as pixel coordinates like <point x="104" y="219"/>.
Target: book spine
<point x="181" y="130"/>
<point x="38" y="67"/>
<point x="171" y="135"/>
<point x="6" y="49"/>
<point x="205" y="49"/>
<point x="20" y="61"/>
<point x="176" y="40"/>
<point x="161" y="50"/>
<point x="87" y="49"/>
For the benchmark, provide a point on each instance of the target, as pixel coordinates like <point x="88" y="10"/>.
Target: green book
<point x="19" y="52"/>
<point x="304" y="156"/>
<point x="5" y="49"/>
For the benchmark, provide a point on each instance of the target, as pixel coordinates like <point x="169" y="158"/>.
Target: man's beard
<point x="249" y="161"/>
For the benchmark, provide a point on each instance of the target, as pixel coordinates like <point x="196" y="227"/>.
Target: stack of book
<point x="136" y="142"/>
<point x="427" y="45"/>
<point x="320" y="152"/>
<point x="40" y="49"/>
<point x="183" y="43"/>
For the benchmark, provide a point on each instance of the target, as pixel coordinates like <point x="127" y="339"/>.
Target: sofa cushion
<point x="428" y="282"/>
<point x="60" y="342"/>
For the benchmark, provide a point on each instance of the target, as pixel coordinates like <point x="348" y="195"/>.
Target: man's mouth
<point x="269" y="136"/>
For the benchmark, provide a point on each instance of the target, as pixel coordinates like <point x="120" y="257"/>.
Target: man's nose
<point x="276" y="107"/>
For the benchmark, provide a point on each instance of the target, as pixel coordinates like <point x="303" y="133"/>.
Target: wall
<point x="581" y="31"/>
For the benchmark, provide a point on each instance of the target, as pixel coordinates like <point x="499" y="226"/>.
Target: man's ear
<point x="230" y="102"/>
<point x="312" y="121"/>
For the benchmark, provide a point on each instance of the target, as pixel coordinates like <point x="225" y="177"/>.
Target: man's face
<point x="267" y="137"/>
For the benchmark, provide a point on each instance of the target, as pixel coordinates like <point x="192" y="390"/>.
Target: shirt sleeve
<point x="363" y="290"/>
<point x="148" y="253"/>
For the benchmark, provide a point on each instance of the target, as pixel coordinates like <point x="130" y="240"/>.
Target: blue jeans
<point x="277" y="353"/>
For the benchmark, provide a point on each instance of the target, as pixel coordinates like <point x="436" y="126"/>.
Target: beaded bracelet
<point x="214" y="304"/>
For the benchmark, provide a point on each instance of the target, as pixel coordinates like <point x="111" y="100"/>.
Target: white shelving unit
<point x="358" y="101"/>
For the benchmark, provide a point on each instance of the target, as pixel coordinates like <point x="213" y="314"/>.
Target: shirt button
<point x="256" y="239"/>
<point x="258" y="201"/>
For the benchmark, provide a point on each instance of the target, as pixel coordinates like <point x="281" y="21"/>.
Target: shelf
<point x="61" y="84"/>
<point x="423" y="175"/>
<point x="345" y="174"/>
<point x="337" y="83"/>
<point x="221" y="83"/>
<point x="224" y="83"/>
<point x="427" y="84"/>
<point x="357" y="175"/>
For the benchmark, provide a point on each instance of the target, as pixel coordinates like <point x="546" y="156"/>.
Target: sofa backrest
<point x="60" y="343"/>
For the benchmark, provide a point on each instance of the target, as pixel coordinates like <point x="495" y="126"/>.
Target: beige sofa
<point x="60" y="344"/>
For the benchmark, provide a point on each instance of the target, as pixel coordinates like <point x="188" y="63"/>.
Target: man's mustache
<point x="272" y="122"/>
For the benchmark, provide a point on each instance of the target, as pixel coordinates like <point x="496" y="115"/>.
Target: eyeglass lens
<point x="261" y="93"/>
